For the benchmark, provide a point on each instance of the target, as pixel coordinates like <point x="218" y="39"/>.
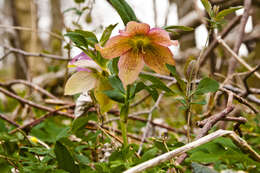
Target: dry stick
<point x="2" y="116"/>
<point x="241" y="31"/>
<point x="30" y="103"/>
<point x="169" y="155"/>
<point x="133" y="117"/>
<point x="41" y="119"/>
<point x="30" y="29"/>
<point x="44" y="55"/>
<point x="240" y="60"/>
<point x="241" y="100"/>
<point x="209" y="124"/>
<point x="235" y="119"/>
<point x="245" y="94"/>
<point x="5" y="55"/>
<point x="214" y="43"/>
<point x="147" y="127"/>
<point x="30" y="84"/>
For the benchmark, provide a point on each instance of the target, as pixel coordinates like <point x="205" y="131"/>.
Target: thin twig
<point x="245" y="94"/>
<point x="30" y="84"/>
<point x="2" y="116"/>
<point x="240" y="60"/>
<point x="240" y="35"/>
<point x="169" y="155"/>
<point x="149" y="120"/>
<point x="44" y="55"/>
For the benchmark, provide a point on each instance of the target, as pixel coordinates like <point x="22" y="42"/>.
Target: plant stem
<point x="124" y="116"/>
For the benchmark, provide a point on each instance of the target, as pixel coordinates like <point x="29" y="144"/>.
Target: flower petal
<point x="134" y="28"/>
<point x="114" y="47"/>
<point x="161" y="37"/>
<point x="130" y="65"/>
<point x="81" y="81"/>
<point x="156" y="58"/>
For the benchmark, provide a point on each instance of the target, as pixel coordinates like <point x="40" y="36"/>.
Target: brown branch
<point x="44" y="55"/>
<point x="30" y="84"/>
<point x="223" y="34"/>
<point x="33" y="104"/>
<point x="2" y="116"/>
<point x="240" y="35"/>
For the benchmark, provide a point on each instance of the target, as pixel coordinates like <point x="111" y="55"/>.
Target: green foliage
<point x="207" y="85"/>
<point x="198" y="168"/>
<point x="124" y="10"/>
<point x="64" y="158"/>
<point x="106" y="34"/>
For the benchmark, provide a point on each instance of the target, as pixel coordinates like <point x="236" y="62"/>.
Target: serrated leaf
<point x="198" y="168"/>
<point x="77" y="38"/>
<point x="157" y="83"/>
<point x="184" y="28"/>
<point x="112" y="66"/>
<point x="225" y="12"/>
<point x="207" y="85"/>
<point x="90" y="37"/>
<point x="140" y="86"/>
<point x="81" y="81"/>
<point x="208" y="7"/>
<point x="115" y="95"/>
<point x="116" y="83"/>
<point x="64" y="158"/>
<point x="106" y="34"/>
<point x="180" y="82"/>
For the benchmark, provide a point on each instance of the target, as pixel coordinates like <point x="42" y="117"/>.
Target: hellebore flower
<point x="87" y="77"/>
<point x="136" y="46"/>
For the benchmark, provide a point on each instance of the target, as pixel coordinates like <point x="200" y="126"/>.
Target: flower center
<point x="140" y="42"/>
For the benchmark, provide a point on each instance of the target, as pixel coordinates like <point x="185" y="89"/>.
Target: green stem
<point x="123" y="122"/>
<point x="124" y="116"/>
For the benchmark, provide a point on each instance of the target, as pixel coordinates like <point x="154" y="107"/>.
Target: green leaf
<point x="198" y="168"/>
<point x="124" y="10"/>
<point x="207" y="85"/>
<point x="225" y="12"/>
<point x="112" y="66"/>
<point x="140" y="86"/>
<point x="129" y="10"/>
<point x="106" y="34"/>
<point x="157" y="83"/>
<point x="184" y="28"/>
<point x="79" y="1"/>
<point x="115" y="95"/>
<point x="180" y="82"/>
<point x="149" y="154"/>
<point x="64" y="158"/>
<point x="208" y="7"/>
<point x="77" y="38"/>
<point x="89" y="36"/>
<point x="79" y="123"/>
<point x="121" y="11"/>
<point x="116" y="83"/>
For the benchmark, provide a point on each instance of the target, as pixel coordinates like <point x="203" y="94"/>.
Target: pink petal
<point x="156" y="58"/>
<point x="161" y="37"/>
<point x="130" y="65"/>
<point x="114" y="47"/>
<point x="134" y="28"/>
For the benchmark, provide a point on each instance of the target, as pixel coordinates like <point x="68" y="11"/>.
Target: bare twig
<point x="30" y="84"/>
<point x="169" y="155"/>
<point x="240" y="35"/>
<point x="44" y="55"/>
<point x="149" y="120"/>
<point x="240" y="60"/>
<point x="223" y="34"/>
<point x="2" y="116"/>
<point x="245" y="94"/>
<point x="28" y="102"/>
<point x="32" y="30"/>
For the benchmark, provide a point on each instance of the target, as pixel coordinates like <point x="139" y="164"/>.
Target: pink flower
<point x="136" y="46"/>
